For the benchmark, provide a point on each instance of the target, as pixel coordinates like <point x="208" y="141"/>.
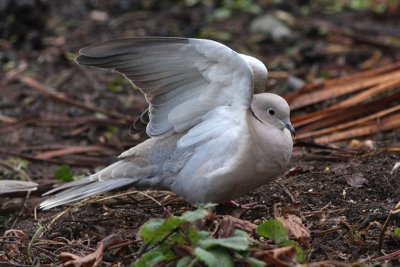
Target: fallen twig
<point x="388" y="256"/>
<point x="81" y="162"/>
<point x="343" y="89"/>
<point x="74" y="150"/>
<point x="62" y="98"/>
<point x="391" y="215"/>
<point x="376" y="41"/>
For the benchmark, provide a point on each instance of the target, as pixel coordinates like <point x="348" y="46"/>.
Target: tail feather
<point x="86" y="188"/>
<point x="72" y="184"/>
<point x="9" y="186"/>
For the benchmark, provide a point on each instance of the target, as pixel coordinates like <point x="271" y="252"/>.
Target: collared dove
<point x="212" y="140"/>
<point x="9" y="186"/>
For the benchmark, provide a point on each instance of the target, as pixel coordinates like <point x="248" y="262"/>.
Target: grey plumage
<point x="9" y="186"/>
<point x="211" y="139"/>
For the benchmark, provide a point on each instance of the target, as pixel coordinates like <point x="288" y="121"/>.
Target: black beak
<point x="291" y="129"/>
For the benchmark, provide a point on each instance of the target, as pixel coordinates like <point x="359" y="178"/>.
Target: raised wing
<point x="182" y="79"/>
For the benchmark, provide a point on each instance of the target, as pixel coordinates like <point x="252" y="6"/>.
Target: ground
<point x="80" y="117"/>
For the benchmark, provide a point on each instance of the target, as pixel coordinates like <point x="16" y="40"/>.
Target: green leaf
<point x="183" y="262"/>
<point x="214" y="257"/>
<point x="156" y="230"/>
<point x="149" y="259"/>
<point x="235" y="243"/>
<point x="63" y="173"/>
<point x="70" y="56"/>
<point x="254" y="262"/>
<point x="273" y="229"/>
<point x="193" y="235"/>
<point x="165" y="249"/>
<point x="222" y="13"/>
<point x="240" y="233"/>
<point x="189" y="236"/>
<point x="396" y="232"/>
<point x="18" y="163"/>
<point x="99" y="115"/>
<point x="192" y="216"/>
<point x="203" y="234"/>
<point x="177" y="238"/>
<point x="300" y="254"/>
<point x="250" y="240"/>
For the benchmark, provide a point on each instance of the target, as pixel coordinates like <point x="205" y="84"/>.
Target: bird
<point x="10" y="186"/>
<point x="212" y="139"/>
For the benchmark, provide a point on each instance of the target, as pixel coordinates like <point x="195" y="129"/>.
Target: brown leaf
<point x="295" y="228"/>
<point x="343" y="80"/>
<point x="228" y="224"/>
<point x="342" y="89"/>
<point x="66" y="256"/>
<point x="352" y="123"/>
<point x="17" y="240"/>
<point x="92" y="260"/>
<point x="367" y="94"/>
<point x="332" y="116"/>
<point x="392" y="122"/>
<point x="279" y="257"/>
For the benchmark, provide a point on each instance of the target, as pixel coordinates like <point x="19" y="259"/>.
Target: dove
<point x="9" y="186"/>
<point x="211" y="138"/>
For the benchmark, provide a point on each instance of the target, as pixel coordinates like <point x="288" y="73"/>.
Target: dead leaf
<point x="278" y="257"/>
<point x="346" y="125"/>
<point x="295" y="228"/>
<point x="343" y="89"/>
<point x="390" y="123"/>
<point x="327" y="264"/>
<point x="228" y="224"/>
<point x="343" y="80"/>
<point x="92" y="260"/>
<point x="17" y="240"/>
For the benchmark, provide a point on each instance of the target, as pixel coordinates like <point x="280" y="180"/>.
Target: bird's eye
<point x="271" y="111"/>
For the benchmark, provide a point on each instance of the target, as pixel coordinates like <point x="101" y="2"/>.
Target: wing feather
<point x="8" y="186"/>
<point x="182" y="79"/>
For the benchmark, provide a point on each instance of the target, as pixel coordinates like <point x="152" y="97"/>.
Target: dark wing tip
<point x="141" y="123"/>
<point x="90" y="55"/>
<point x="120" y="45"/>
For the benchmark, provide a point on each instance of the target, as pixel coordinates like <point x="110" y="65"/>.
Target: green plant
<point x="229" y="6"/>
<point x="63" y="173"/>
<point x="396" y="232"/>
<point x="176" y="241"/>
<point x="273" y="229"/>
<point x="14" y="168"/>
<point x="18" y="163"/>
<point x="225" y="8"/>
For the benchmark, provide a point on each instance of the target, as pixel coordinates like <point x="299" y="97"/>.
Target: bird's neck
<point x="270" y="140"/>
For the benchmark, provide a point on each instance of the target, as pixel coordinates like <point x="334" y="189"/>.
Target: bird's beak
<point x="290" y="128"/>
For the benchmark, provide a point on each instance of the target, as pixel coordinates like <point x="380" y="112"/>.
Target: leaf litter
<point x="338" y="199"/>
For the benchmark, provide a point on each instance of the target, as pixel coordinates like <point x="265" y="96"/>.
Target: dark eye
<point x="271" y="111"/>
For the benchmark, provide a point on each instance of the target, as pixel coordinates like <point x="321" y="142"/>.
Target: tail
<point x="9" y="186"/>
<point x="86" y="188"/>
<point x="112" y="177"/>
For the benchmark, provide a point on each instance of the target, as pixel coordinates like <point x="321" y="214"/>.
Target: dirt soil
<point x="343" y="201"/>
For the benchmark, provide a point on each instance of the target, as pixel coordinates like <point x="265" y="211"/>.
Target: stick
<point x="35" y="85"/>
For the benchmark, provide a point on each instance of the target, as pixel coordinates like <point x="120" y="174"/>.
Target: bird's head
<point x="273" y="110"/>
